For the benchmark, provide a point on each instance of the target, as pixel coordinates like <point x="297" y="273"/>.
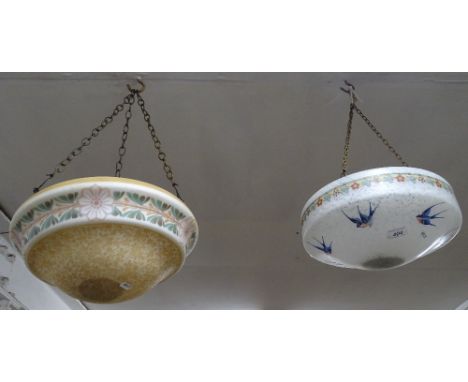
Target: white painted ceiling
<point x="248" y="150"/>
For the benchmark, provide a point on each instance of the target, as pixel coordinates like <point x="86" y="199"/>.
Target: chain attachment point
<point x="351" y="90"/>
<point x="133" y="90"/>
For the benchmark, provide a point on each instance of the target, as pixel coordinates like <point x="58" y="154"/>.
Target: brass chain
<point x="128" y="100"/>
<point x="352" y="108"/>
<point x="380" y="136"/>
<point x="126" y="127"/>
<point x="85" y="142"/>
<point x="344" y="162"/>
<point x="157" y="144"/>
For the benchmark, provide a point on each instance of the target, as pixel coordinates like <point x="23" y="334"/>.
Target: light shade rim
<point x="126" y="184"/>
<point x="370" y="172"/>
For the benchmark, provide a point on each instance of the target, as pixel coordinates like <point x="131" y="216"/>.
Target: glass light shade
<point x="104" y="239"/>
<point x="380" y="218"/>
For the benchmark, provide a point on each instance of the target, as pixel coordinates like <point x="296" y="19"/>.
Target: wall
<point x="23" y="289"/>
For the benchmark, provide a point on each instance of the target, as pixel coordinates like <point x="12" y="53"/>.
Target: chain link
<point x="352" y="108"/>
<point x="380" y="136"/>
<point x="344" y="162"/>
<point x="126" y="127"/>
<point x="128" y="100"/>
<point x="157" y="143"/>
<point x="85" y="142"/>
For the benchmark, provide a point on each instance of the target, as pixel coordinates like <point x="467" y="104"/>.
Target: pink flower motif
<point x="355" y="186"/>
<point x="319" y="202"/>
<point x="438" y="184"/>
<point x="95" y="203"/>
<point x="400" y="178"/>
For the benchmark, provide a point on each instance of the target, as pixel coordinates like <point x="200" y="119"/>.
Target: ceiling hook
<point x="350" y="90"/>
<point x="349" y="84"/>
<point x="142" y="87"/>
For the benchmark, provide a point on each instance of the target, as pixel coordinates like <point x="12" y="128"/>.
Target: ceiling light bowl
<point x="380" y="219"/>
<point x="104" y="239"/>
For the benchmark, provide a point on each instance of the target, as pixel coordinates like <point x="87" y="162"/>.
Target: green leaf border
<point x="47" y="218"/>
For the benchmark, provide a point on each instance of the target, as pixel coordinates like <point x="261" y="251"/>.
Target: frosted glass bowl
<point x="380" y="218"/>
<point x="104" y="239"/>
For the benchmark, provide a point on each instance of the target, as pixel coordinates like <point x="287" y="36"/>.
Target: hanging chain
<point x="344" y="162"/>
<point x="157" y="144"/>
<point x="352" y="108"/>
<point x="126" y="127"/>
<point x="128" y="100"/>
<point x="84" y="142"/>
<point x="380" y="136"/>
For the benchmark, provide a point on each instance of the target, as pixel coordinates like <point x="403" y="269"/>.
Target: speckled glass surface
<point x="104" y="262"/>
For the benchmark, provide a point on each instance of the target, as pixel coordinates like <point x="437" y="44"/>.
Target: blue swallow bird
<point x="426" y="217"/>
<point x="323" y="247"/>
<point x="363" y="220"/>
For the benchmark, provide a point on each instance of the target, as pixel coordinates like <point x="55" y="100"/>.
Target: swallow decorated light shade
<point x="381" y="218"/>
<point x="105" y="239"/>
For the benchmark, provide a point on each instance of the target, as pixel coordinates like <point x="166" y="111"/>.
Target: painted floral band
<point x="98" y="204"/>
<point x="367" y="182"/>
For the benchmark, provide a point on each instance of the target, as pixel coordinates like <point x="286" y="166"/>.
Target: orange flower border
<point x="368" y="182"/>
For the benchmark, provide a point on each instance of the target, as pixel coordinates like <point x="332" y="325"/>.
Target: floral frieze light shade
<point x="104" y="239"/>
